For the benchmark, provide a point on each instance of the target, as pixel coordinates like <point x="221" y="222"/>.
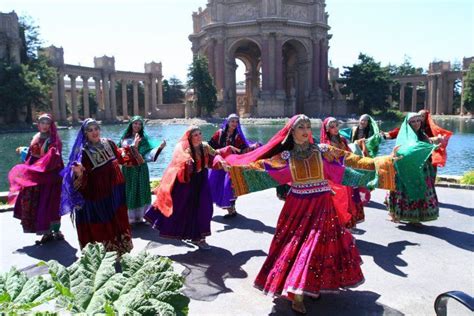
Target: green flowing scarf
<point x="146" y="144"/>
<point x="411" y="179"/>
<point x="372" y="143"/>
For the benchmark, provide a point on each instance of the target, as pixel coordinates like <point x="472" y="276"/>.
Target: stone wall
<point x="170" y="111"/>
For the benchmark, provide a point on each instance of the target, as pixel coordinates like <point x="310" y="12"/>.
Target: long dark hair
<point x="193" y="155"/>
<point x="222" y="139"/>
<point x="288" y="144"/>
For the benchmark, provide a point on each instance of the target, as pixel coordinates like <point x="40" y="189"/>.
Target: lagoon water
<point x="460" y="149"/>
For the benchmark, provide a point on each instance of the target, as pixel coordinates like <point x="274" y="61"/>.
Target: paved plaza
<point x="405" y="267"/>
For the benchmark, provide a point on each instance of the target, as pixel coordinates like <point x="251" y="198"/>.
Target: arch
<point x="295" y="73"/>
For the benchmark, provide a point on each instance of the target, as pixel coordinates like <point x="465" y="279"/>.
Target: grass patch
<point x="154" y="184"/>
<point x="468" y="177"/>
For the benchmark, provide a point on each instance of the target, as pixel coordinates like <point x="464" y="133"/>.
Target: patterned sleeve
<point x="214" y="141"/>
<point x="352" y="170"/>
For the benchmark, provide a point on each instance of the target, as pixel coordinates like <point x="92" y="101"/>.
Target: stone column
<point x="440" y="96"/>
<point x="402" y="97"/>
<point x="55" y="99"/>
<point x="146" y="92"/>
<point x="62" y="98"/>
<point x="316" y="65"/>
<point x="433" y="93"/>
<point x="135" y="98"/>
<point x="124" y="99"/>
<point x="75" y="117"/>
<point x="113" y="97"/>
<point x="160" y="90"/>
<point x="106" y="89"/>
<point x="210" y="58"/>
<point x="265" y="64"/>
<point x="462" y="96"/>
<point x="450" y="97"/>
<point x="324" y="65"/>
<point x="425" y="104"/>
<point x="220" y="71"/>
<point x="85" y="96"/>
<point x="153" y="94"/>
<point x="98" y="99"/>
<point x="413" y="97"/>
<point x="389" y="98"/>
<point x="279" y="62"/>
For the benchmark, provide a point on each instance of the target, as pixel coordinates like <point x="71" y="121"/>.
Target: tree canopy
<point x="199" y="79"/>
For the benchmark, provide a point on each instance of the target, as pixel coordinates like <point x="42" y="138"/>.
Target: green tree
<point x="368" y="83"/>
<point x="29" y="83"/>
<point x="173" y="91"/>
<point x="205" y="93"/>
<point x="468" y="94"/>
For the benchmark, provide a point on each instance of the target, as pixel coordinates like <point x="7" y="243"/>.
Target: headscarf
<point x="177" y="167"/>
<point x="411" y="179"/>
<point x="440" y="155"/>
<point x="374" y="139"/>
<point x="269" y="148"/>
<point x="71" y="199"/>
<point x="146" y="143"/>
<point x="45" y="170"/>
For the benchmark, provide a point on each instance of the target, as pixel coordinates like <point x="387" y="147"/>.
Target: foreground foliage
<point x="468" y="177"/>
<point x="147" y="285"/>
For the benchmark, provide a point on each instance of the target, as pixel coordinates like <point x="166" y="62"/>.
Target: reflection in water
<point x="460" y="149"/>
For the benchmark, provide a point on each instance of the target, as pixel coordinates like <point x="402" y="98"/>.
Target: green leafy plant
<point x="468" y="177"/>
<point x="146" y="285"/>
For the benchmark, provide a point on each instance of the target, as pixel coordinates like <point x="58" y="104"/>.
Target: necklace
<point x="302" y="151"/>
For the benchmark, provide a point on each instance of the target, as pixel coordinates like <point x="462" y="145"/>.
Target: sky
<point x="139" y="31"/>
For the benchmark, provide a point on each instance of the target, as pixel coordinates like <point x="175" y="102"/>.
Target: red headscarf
<point x="45" y="170"/>
<point x="176" y="169"/>
<point x="263" y="151"/>
<point x="324" y="134"/>
<point x="440" y="155"/>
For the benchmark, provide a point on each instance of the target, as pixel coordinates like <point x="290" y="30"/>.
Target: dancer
<point x="137" y="178"/>
<point x="311" y="251"/>
<point x="415" y="199"/>
<point x="35" y="185"/>
<point x="330" y="135"/>
<point x="365" y="138"/>
<point x="183" y="205"/>
<point x="229" y="134"/>
<point x="94" y="188"/>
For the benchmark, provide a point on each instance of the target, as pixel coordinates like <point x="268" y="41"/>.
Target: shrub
<point x="468" y="177"/>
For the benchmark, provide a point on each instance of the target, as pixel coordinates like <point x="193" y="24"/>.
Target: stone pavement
<point x="405" y="267"/>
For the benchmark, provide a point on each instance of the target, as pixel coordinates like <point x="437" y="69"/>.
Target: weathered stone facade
<point x="105" y="78"/>
<point x="10" y="41"/>
<point x="283" y="45"/>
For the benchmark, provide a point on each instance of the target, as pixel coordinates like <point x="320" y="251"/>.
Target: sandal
<point x="231" y="212"/>
<point x="202" y="244"/>
<point x="46" y="238"/>
<point x="58" y="236"/>
<point x="298" y="307"/>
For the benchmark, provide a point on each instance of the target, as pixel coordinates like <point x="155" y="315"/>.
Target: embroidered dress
<point x="97" y="197"/>
<point x="183" y="206"/>
<point x="415" y="199"/>
<point x="35" y="185"/>
<point x="311" y="250"/>
<point x="137" y="178"/>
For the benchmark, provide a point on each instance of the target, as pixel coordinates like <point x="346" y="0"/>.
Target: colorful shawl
<point x="176" y="167"/>
<point x="324" y="137"/>
<point x="411" y="179"/>
<point x="440" y="155"/>
<point x="71" y="199"/>
<point x="223" y="127"/>
<point x="372" y="142"/>
<point x="146" y="143"/>
<point x="45" y="170"/>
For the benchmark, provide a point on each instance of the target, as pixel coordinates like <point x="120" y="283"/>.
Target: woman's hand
<point x="163" y="144"/>
<point x="394" y="153"/>
<point x="137" y="140"/>
<point x="78" y="168"/>
<point x="234" y="149"/>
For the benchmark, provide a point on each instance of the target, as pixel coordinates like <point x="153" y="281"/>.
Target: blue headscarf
<point x="71" y="199"/>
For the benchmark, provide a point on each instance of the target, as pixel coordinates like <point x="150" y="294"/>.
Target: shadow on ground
<point x="60" y="251"/>
<point x="146" y="232"/>
<point x="377" y="205"/>
<point x="454" y="237"/>
<point x="458" y="209"/>
<point x="386" y="257"/>
<point x="345" y="303"/>
<point x="243" y="223"/>
<point x="206" y="271"/>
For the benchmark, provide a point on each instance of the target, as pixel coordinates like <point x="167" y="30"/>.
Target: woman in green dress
<point x="137" y="178"/>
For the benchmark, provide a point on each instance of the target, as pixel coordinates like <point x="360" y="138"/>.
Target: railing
<point x="441" y="301"/>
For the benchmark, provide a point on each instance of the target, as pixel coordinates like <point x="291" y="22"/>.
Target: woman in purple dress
<point x="183" y="205"/>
